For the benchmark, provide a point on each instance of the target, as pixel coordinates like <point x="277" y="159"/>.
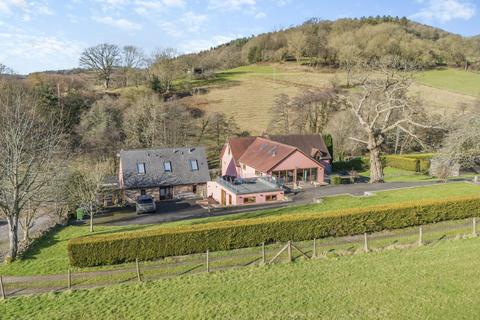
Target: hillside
<point x="337" y="43"/>
<point x="433" y="281"/>
<point x="248" y="93"/>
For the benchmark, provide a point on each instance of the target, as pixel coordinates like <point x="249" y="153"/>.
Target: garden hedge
<point x="359" y="164"/>
<point x="399" y="162"/>
<point x="411" y="162"/>
<point x="164" y="242"/>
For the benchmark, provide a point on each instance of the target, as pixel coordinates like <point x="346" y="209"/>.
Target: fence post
<point x="474" y="227"/>
<point x="289" y="251"/>
<point x="2" y="289"/>
<point x="208" y="262"/>
<point x="314" y="254"/>
<point x="365" y="242"/>
<point x="420" y="236"/>
<point x="139" y="278"/>
<point x="263" y="252"/>
<point x="69" y="279"/>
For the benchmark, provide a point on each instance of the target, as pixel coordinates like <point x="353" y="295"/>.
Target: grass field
<point x="431" y="282"/>
<point x="453" y="80"/>
<point x="400" y="175"/>
<point x="49" y="255"/>
<point x="248" y="93"/>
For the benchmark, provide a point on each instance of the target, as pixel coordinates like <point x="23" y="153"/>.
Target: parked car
<point x="145" y="204"/>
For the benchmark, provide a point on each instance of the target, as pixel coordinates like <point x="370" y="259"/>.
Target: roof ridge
<point x="276" y="142"/>
<point x="291" y="149"/>
<point x="162" y="148"/>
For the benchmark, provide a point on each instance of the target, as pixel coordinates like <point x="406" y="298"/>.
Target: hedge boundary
<point x="217" y="236"/>
<point x="410" y="162"/>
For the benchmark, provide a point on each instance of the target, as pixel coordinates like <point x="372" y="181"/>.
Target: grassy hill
<point x="459" y="81"/>
<point x="434" y="282"/>
<point x="248" y="93"/>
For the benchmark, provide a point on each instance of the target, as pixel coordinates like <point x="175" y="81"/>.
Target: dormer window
<point x="141" y="168"/>
<point x="194" y="165"/>
<point x="167" y="166"/>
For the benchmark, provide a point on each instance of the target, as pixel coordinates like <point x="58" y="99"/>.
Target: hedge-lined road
<point x="183" y="210"/>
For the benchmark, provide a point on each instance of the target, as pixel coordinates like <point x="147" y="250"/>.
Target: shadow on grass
<point x="120" y="230"/>
<point x="46" y="240"/>
<point x="190" y="270"/>
<point x="221" y="79"/>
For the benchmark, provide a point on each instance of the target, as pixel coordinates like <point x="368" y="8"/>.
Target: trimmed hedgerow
<point x="411" y="162"/>
<point x="164" y="242"/>
<point x="359" y="164"/>
<point x="399" y="162"/>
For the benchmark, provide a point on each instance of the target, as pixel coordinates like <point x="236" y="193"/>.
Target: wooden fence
<point x="264" y="254"/>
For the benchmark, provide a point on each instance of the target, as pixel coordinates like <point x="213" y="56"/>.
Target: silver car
<point x="145" y="204"/>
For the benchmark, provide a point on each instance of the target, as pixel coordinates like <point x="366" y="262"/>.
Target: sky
<point x="38" y="35"/>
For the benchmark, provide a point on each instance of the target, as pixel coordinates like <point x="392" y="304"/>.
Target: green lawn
<point x="400" y="175"/>
<point x="439" y="191"/>
<point x="430" y="282"/>
<point x="455" y="80"/>
<point x="49" y="255"/>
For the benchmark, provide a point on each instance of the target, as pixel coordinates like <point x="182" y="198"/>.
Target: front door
<point x="166" y="193"/>
<point x="224" y="198"/>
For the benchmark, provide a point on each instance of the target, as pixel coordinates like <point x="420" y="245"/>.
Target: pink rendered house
<point x="254" y="167"/>
<point x="248" y="157"/>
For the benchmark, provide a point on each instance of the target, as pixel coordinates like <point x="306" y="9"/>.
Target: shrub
<point x="404" y="163"/>
<point x="411" y="162"/>
<point x="164" y="242"/>
<point x="424" y="165"/>
<point x="335" y="180"/>
<point x="358" y="164"/>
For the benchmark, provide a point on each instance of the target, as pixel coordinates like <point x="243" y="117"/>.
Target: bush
<point x="358" y="164"/>
<point x="400" y="162"/>
<point x="411" y="162"/>
<point x="424" y="165"/>
<point x="335" y="180"/>
<point x="164" y="242"/>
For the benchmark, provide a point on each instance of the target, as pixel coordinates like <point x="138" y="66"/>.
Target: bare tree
<point x="313" y="109"/>
<point x="29" y="145"/>
<point x="165" y="67"/>
<point x="383" y="105"/>
<point x="132" y="58"/>
<point x="5" y="70"/>
<point x="221" y="128"/>
<point x="296" y="44"/>
<point x="306" y="113"/>
<point x="86" y="186"/>
<point x="282" y="115"/>
<point x="462" y="145"/>
<point x="102" y="59"/>
<point x="27" y="219"/>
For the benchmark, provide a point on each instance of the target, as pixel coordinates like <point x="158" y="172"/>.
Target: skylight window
<point x="194" y="165"/>
<point x="167" y="166"/>
<point x="141" y="168"/>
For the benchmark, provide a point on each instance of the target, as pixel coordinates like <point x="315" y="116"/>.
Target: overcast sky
<point x="42" y="35"/>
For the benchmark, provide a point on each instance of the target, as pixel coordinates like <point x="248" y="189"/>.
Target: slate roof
<point x="308" y="143"/>
<point x="155" y="176"/>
